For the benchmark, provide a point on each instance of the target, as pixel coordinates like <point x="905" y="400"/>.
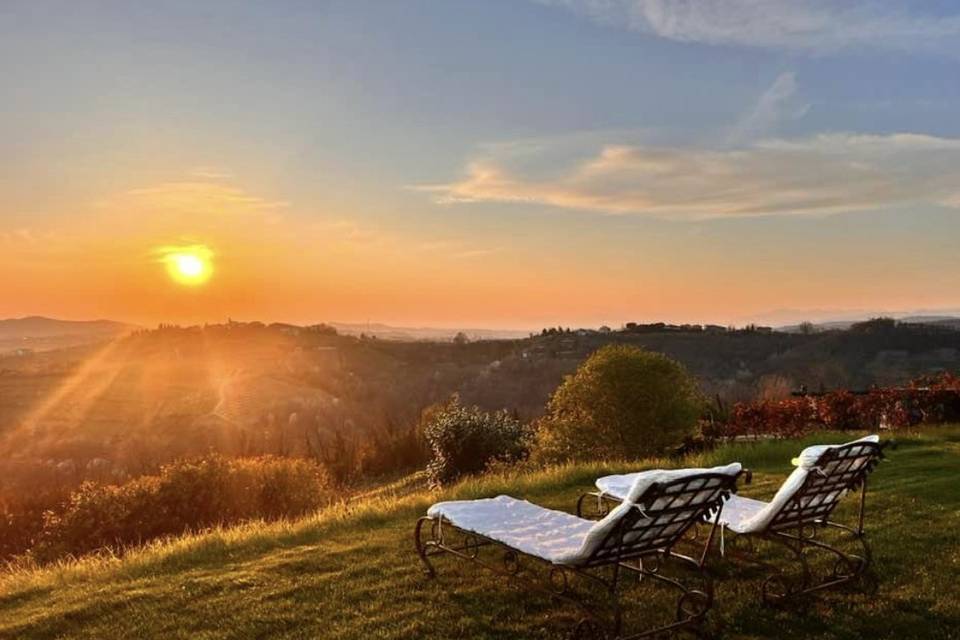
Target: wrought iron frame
<point x="800" y="524"/>
<point x="641" y="543"/>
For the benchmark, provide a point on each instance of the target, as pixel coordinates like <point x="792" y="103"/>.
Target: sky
<point x="496" y="164"/>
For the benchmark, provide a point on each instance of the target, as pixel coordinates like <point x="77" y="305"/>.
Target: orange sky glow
<point x="466" y="165"/>
<point x="269" y="263"/>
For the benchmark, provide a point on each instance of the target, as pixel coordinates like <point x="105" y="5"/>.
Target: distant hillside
<point x="388" y="332"/>
<point x="290" y="390"/>
<point x="948" y="322"/>
<point x="36" y="333"/>
<point x="40" y="327"/>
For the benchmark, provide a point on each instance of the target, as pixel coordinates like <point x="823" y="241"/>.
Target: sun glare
<point x="189" y="265"/>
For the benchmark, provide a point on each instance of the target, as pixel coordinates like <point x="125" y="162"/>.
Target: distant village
<point x="659" y="327"/>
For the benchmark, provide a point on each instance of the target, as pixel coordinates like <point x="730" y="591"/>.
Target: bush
<point x="387" y="453"/>
<point x="464" y="440"/>
<point x="789" y="418"/>
<point x="21" y="519"/>
<point x="186" y="495"/>
<point x="622" y="402"/>
<point x="928" y="400"/>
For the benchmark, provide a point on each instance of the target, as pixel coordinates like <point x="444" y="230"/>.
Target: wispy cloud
<point x="193" y="197"/>
<point x="469" y="254"/>
<point x="211" y="173"/>
<point x="353" y="233"/>
<point x="817" y="175"/>
<point x="23" y="235"/>
<point x="367" y="236"/>
<point x="813" y="25"/>
<point x="776" y="105"/>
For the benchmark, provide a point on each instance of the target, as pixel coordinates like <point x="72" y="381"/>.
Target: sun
<point x="189" y="265"/>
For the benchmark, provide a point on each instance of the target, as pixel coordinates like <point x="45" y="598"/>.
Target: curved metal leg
<point x="422" y="547"/>
<point x="858" y="565"/>
<point x="693" y="602"/>
<point x="846" y="568"/>
<point x="778" y="586"/>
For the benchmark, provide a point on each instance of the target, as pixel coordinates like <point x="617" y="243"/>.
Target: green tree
<point x="622" y="402"/>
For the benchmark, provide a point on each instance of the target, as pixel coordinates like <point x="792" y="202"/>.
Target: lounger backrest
<point x="663" y="514"/>
<point x="837" y="471"/>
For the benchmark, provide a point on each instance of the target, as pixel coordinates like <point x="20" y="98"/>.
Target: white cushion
<point x="532" y="529"/>
<point x="809" y="456"/>
<point x="619" y="486"/>
<point x="555" y="536"/>
<point x="640" y="482"/>
<point x="739" y="510"/>
<point x="748" y="519"/>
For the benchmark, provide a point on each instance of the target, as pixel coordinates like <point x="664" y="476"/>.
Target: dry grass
<point x="350" y="571"/>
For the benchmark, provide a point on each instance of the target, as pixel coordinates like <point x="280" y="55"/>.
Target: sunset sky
<point x="491" y="163"/>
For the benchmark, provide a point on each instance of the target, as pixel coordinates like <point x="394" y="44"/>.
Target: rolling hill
<point x="37" y="333"/>
<point x="351" y="572"/>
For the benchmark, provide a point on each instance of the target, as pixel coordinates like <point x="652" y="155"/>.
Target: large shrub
<point x="465" y="440"/>
<point x="186" y="495"/>
<point x="622" y="402"/>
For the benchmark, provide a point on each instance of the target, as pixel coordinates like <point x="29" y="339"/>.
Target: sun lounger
<point x="638" y="536"/>
<point x="797" y="517"/>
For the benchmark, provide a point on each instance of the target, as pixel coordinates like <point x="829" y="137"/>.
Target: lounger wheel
<point x="588" y="629"/>
<point x="692" y="605"/>
<point x="848" y="568"/>
<point x="775" y="589"/>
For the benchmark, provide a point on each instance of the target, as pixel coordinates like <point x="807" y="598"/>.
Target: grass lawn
<point x="352" y="573"/>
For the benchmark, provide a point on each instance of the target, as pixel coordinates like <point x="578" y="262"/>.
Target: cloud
<point x="815" y="26"/>
<point x="457" y="249"/>
<point x="211" y="173"/>
<point x="357" y="235"/>
<point x="193" y="197"/>
<point x="18" y="236"/>
<point x="775" y="106"/>
<point x="353" y="233"/>
<point x="818" y="175"/>
<point x="477" y="253"/>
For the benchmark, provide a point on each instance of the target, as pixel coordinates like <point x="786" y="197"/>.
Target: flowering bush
<point x="465" y="440"/>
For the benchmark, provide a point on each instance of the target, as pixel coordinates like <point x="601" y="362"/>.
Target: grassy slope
<point x="353" y="574"/>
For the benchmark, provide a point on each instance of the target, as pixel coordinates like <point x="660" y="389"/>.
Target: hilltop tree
<point x="623" y="402"/>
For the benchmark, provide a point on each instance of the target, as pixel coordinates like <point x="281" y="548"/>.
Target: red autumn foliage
<point x="780" y="418"/>
<point x="928" y="400"/>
